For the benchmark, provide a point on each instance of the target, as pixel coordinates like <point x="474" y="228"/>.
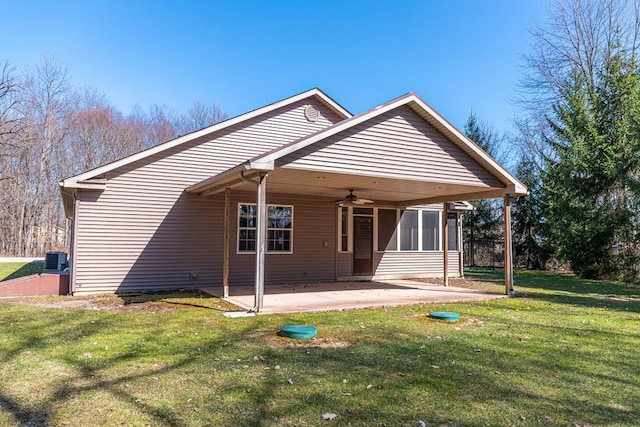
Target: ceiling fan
<point x="353" y="199"/>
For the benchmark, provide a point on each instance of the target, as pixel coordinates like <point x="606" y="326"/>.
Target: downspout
<point x="261" y="233"/>
<point x="460" y="246"/>
<point x="225" y="256"/>
<point x="72" y="246"/>
<point x="445" y="243"/>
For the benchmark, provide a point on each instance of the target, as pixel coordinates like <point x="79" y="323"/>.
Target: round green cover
<point x="447" y="316"/>
<point x="298" y="332"/>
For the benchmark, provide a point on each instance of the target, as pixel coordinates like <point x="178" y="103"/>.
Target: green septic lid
<point x="447" y="316"/>
<point x="298" y="332"/>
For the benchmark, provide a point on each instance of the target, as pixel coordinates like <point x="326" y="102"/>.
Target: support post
<point x="508" y="259"/>
<point x="445" y="243"/>
<point x="227" y="226"/>
<point x="261" y="237"/>
<point x="460" y="247"/>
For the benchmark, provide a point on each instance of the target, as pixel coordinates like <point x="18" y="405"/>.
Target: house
<point x="296" y="191"/>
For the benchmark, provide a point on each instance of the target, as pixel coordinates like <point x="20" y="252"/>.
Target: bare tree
<point x="199" y="117"/>
<point x="578" y="37"/>
<point x="50" y="130"/>
<point x="9" y="101"/>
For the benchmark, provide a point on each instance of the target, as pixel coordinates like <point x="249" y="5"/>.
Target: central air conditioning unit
<point x="55" y="261"/>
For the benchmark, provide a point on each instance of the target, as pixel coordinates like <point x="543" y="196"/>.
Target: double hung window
<point x="279" y="228"/>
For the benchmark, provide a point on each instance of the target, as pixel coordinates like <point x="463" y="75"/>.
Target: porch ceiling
<point x="383" y="190"/>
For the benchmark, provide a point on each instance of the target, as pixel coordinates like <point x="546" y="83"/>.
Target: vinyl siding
<point x="144" y="231"/>
<point x="345" y="264"/>
<point x="407" y="264"/>
<point x="397" y="144"/>
<point x="314" y="222"/>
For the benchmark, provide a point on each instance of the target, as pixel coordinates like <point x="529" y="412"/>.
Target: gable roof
<point x="267" y="161"/>
<point x="85" y="179"/>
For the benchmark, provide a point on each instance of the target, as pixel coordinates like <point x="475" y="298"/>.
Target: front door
<point x="362" y="246"/>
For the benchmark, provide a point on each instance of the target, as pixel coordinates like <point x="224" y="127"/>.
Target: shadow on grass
<point x="566" y="288"/>
<point x="181" y="298"/>
<point x="23" y="270"/>
<point x="94" y="374"/>
<point x="387" y="375"/>
<point x="393" y="372"/>
<point x="403" y="381"/>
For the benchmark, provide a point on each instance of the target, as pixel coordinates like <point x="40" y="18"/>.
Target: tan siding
<point x="345" y="264"/>
<point x="144" y="231"/>
<point x="313" y="224"/>
<point x="406" y="264"/>
<point x="397" y="144"/>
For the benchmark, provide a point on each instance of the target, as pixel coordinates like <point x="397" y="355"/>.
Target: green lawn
<point x="564" y="352"/>
<point x="12" y="270"/>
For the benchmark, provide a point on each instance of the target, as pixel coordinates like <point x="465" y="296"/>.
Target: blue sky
<point x="458" y="55"/>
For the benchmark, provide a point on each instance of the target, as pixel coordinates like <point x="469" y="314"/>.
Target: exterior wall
<point x="145" y="232"/>
<point x="314" y="222"/>
<point x="404" y="264"/>
<point x="415" y="264"/>
<point x="408" y="141"/>
<point x="345" y="264"/>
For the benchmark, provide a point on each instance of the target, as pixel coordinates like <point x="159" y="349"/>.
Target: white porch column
<point x="445" y="242"/>
<point x="508" y="252"/>
<point x="261" y="237"/>
<point x="227" y="226"/>
<point x="460" y="247"/>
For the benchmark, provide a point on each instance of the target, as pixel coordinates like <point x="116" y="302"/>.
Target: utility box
<point x="55" y="261"/>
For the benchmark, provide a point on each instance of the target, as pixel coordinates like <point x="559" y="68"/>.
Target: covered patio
<point x="338" y="296"/>
<point x="398" y="155"/>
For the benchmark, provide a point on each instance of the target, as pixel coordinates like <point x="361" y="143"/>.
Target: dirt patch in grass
<point x="275" y="340"/>
<point x="318" y="342"/>
<point x="479" y="283"/>
<point x="130" y="302"/>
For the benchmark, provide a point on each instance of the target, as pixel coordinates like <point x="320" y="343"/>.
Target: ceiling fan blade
<point x="364" y="201"/>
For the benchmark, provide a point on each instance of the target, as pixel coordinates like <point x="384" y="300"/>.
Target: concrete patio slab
<point x="311" y="297"/>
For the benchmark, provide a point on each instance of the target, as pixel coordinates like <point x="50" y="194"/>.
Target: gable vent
<point x="311" y="113"/>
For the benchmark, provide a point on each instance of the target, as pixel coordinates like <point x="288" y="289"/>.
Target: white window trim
<point x="421" y="249"/>
<point x="349" y="231"/>
<point x="440" y="231"/>
<point x="420" y="245"/>
<point x="267" y="251"/>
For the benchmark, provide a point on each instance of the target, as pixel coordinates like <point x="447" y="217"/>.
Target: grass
<point x="562" y="353"/>
<point x="13" y="270"/>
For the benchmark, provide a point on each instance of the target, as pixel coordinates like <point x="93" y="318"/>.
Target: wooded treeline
<point x="576" y="145"/>
<point x="579" y="140"/>
<point x="50" y="130"/>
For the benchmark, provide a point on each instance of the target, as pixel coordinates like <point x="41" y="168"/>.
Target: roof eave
<point x="513" y="185"/>
<point x="101" y="170"/>
<point x="230" y="177"/>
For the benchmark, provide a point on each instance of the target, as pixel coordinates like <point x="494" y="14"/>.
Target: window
<point x="409" y="230"/>
<point x="279" y="228"/>
<point x="417" y="230"/>
<point x="344" y="236"/>
<point x="452" y="222"/>
<point x="247" y="228"/>
<point x="430" y="231"/>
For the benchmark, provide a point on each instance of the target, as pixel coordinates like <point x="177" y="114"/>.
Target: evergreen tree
<point x="590" y="185"/>
<point x="483" y="222"/>
<point x="531" y="250"/>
